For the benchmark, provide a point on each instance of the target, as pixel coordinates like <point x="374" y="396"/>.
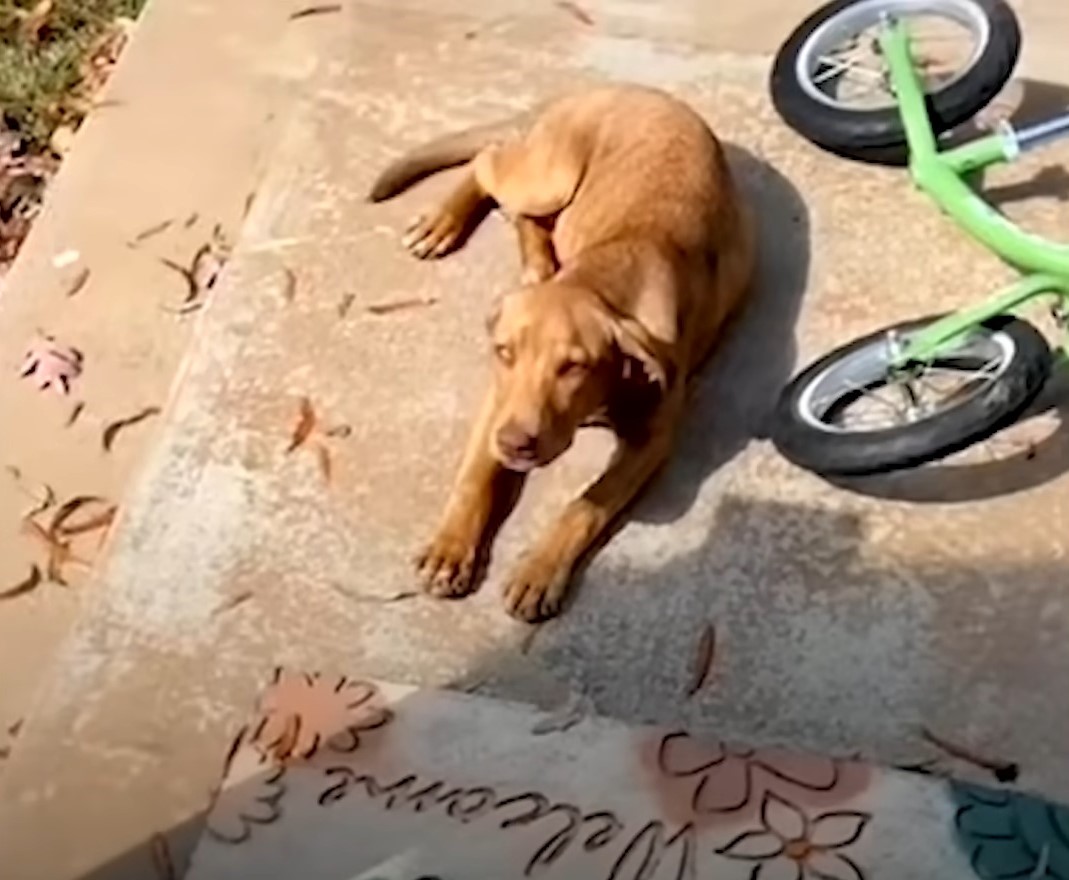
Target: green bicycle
<point x="918" y="391"/>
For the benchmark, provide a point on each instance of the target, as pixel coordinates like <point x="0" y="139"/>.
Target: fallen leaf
<point x="68" y="509"/>
<point x="233" y="602"/>
<point x="703" y="660"/>
<point x="161" y="858"/>
<point x="339" y="431"/>
<point x="80" y="280"/>
<point x="43" y="496"/>
<point x="59" y="552"/>
<point x="401" y="305"/>
<point x="47" y="499"/>
<point x="112" y="429"/>
<point x="346" y="303"/>
<point x="76" y="411"/>
<point x="289" y="289"/>
<point x="51" y="365"/>
<point x="32" y="581"/>
<point x="378" y="600"/>
<point x="578" y="707"/>
<point x="321" y="9"/>
<point x="326" y="467"/>
<point x="1004" y="771"/>
<point x="151" y="231"/>
<point x="576" y="11"/>
<point x="306" y="421"/>
<point x="99" y="521"/>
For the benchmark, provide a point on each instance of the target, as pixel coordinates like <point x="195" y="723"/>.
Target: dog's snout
<point x="514" y="439"/>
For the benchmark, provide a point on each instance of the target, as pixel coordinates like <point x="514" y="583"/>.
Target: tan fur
<point x="635" y="252"/>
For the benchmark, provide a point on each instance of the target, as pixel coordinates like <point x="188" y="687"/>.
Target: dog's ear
<point x="644" y="357"/>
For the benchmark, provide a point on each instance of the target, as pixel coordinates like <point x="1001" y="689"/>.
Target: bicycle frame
<point x="939" y="173"/>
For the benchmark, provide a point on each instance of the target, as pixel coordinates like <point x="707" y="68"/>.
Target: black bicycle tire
<point x="877" y="136"/>
<point x="859" y="454"/>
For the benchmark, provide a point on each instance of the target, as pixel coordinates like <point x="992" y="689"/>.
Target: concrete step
<point x="846" y="621"/>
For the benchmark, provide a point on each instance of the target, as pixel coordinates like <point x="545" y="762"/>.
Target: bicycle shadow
<point x="1032" y="463"/>
<point x="1022" y="102"/>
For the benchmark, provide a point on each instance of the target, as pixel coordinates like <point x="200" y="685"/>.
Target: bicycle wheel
<point x="830" y="84"/>
<point x="850" y="414"/>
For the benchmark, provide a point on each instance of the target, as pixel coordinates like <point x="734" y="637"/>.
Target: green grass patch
<point x="40" y="73"/>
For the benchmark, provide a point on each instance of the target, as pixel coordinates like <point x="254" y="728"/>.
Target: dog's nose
<point x="515" y="441"/>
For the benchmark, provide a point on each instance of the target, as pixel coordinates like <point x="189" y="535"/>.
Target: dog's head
<point x="561" y="353"/>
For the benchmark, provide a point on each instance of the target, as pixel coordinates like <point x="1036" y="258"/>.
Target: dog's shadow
<point x="733" y="395"/>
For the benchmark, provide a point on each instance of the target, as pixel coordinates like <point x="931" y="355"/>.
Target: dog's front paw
<point x="537" y="588"/>
<point x="448" y="566"/>
<point x="434" y="235"/>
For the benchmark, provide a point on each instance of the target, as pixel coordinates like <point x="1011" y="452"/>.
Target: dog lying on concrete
<point x="635" y="252"/>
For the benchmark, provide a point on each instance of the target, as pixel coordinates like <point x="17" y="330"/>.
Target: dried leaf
<point x="51" y="365"/>
<point x="346" y="303"/>
<point x="289" y="289"/>
<point x="401" y="305"/>
<point x="80" y="280"/>
<point x="100" y="521"/>
<point x="321" y="9"/>
<point x="32" y="581"/>
<point x="67" y="510"/>
<point x="576" y="11"/>
<point x="326" y="466"/>
<point x="161" y="858"/>
<point x="378" y="600"/>
<point x="113" y="428"/>
<point x="46" y="500"/>
<point x="233" y="602"/>
<point x="76" y="411"/>
<point x="146" y="234"/>
<point x="306" y="422"/>
<point x="1004" y="771"/>
<point x="703" y="660"/>
<point x="339" y="431"/>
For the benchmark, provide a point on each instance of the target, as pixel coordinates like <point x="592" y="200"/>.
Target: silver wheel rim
<point x="889" y="400"/>
<point x="843" y="50"/>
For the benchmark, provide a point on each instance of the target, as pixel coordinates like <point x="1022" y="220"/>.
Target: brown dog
<point x="635" y="251"/>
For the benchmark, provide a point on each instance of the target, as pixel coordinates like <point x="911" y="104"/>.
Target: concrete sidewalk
<point x="846" y="620"/>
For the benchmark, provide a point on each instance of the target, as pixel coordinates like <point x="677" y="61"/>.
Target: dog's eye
<point x="571" y="368"/>
<point x="504" y="354"/>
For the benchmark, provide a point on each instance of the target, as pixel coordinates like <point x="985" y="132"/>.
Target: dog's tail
<point x="444" y="152"/>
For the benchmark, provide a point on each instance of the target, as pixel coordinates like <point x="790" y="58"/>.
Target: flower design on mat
<point x="249" y="794"/>
<point x="791" y="846"/>
<point x="728" y="778"/>
<point x="301" y="712"/>
<point x="1010" y="835"/>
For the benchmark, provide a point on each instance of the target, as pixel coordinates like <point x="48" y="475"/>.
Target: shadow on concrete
<point x="734" y="394"/>
<point x="785" y="590"/>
